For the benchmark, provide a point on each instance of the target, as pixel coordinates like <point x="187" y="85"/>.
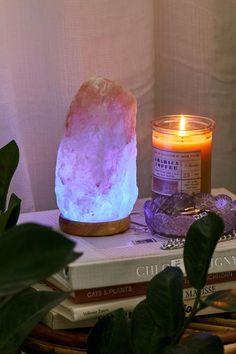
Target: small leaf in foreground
<point x="176" y="349"/>
<point x="167" y="310"/>
<point x="110" y="335"/>
<point x="199" y="246"/>
<point x="10" y="217"/>
<point x="146" y="337"/>
<point x="203" y="343"/>
<point x="31" y="252"/>
<point x="9" y="158"/>
<point x="22" y="313"/>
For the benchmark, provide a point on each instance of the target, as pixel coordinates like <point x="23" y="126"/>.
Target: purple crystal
<point x="171" y="216"/>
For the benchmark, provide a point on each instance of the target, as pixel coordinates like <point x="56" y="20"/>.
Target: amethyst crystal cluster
<point x="171" y="216"/>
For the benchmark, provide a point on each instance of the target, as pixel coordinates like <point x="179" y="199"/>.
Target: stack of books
<point x="114" y="271"/>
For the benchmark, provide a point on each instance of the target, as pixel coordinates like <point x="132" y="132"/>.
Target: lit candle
<point x="181" y="154"/>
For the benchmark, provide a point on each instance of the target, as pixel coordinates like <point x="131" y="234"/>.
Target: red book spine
<point x="83" y="296"/>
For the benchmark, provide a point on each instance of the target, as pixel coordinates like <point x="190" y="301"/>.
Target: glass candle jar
<point x="182" y="149"/>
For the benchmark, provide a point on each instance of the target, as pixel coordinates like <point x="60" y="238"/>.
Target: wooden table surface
<point x="45" y="340"/>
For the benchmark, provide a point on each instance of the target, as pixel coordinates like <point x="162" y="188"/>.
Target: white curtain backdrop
<point x="176" y="56"/>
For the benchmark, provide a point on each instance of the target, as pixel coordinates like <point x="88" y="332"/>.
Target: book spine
<point x="94" y="310"/>
<point x="55" y="320"/>
<point x="135" y="270"/>
<point x="128" y="290"/>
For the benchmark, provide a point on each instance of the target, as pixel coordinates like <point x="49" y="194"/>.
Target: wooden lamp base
<point x="107" y="228"/>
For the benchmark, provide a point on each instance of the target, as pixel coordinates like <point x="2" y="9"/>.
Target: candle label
<point x="174" y="172"/>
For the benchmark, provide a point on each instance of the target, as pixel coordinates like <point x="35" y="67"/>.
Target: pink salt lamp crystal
<point x="96" y="161"/>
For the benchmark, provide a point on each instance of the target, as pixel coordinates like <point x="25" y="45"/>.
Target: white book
<point x="79" y="312"/>
<point x="57" y="320"/>
<point x="131" y="257"/>
<point x="95" y="310"/>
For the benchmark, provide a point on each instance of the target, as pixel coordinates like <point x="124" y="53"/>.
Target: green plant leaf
<point x="200" y="244"/>
<point x="223" y="299"/>
<point x="146" y="337"/>
<point x="110" y="335"/>
<point x="176" y="349"/>
<point x="198" y="343"/>
<point x="10" y="217"/>
<point x="9" y="158"/>
<point x="22" y="313"/>
<point x="203" y="343"/>
<point x="165" y="299"/>
<point x="31" y="252"/>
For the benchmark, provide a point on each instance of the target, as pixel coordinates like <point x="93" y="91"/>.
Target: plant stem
<point x="5" y="300"/>
<point x="196" y="307"/>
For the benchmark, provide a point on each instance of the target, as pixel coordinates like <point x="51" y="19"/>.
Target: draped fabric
<point x="176" y="56"/>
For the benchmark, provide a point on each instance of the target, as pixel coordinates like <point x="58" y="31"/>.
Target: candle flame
<point x="182" y="126"/>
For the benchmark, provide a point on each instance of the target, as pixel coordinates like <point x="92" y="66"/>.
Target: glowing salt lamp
<point x="95" y="181"/>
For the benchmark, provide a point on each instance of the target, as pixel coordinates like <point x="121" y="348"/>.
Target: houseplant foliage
<point x="28" y="253"/>
<point x="158" y="322"/>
